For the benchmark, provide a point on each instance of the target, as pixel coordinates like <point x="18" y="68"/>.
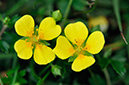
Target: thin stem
<point x="15" y="77"/>
<point x="44" y="69"/>
<point x="92" y="75"/>
<point x="14" y="61"/>
<point x="117" y="13"/>
<point x="41" y="80"/>
<point x="105" y="71"/>
<point x="67" y="12"/>
<point x="1" y="83"/>
<point x="2" y="30"/>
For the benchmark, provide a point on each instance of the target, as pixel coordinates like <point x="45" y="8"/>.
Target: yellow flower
<point x="77" y="34"/>
<point x="33" y="38"/>
<point x="100" y="20"/>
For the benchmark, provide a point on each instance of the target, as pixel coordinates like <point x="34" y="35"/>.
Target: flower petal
<point x="95" y="42"/>
<point x="63" y="48"/>
<point x="82" y="62"/>
<point x="48" y="29"/>
<point x="76" y="32"/>
<point x="23" y="49"/>
<point x="43" y="54"/>
<point x="25" y="26"/>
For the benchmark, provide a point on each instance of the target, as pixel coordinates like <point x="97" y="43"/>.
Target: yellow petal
<point x="48" y="29"/>
<point x="76" y="32"/>
<point x="63" y="48"/>
<point x="23" y="49"/>
<point x="82" y="62"/>
<point x="95" y="42"/>
<point x="43" y="54"/>
<point x="25" y="26"/>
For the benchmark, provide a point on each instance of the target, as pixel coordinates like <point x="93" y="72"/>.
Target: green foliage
<point x="114" y="57"/>
<point x="4" y="46"/>
<point x="73" y="57"/>
<point x="96" y="28"/>
<point x="118" y="67"/>
<point x="104" y="63"/>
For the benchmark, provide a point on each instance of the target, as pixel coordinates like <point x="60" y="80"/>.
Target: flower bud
<point x="57" y="15"/>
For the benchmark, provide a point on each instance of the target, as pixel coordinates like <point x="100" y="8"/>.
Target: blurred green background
<point x="112" y="63"/>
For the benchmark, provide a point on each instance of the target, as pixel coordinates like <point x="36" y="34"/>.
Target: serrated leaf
<point x="119" y="58"/>
<point x="118" y="67"/>
<point x="22" y="73"/>
<point x="104" y="62"/>
<point x="4" y="46"/>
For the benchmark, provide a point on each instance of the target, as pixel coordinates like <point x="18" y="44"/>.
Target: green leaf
<point x="96" y="80"/>
<point x="22" y="73"/>
<point x="104" y="63"/>
<point x="45" y="42"/>
<point x="73" y="57"/>
<point x="4" y="46"/>
<point x="86" y="53"/>
<point x="56" y="70"/>
<point x="107" y="53"/>
<point x="119" y="58"/>
<point x="96" y="28"/>
<point x="79" y="5"/>
<point x="22" y="80"/>
<point x="118" y="67"/>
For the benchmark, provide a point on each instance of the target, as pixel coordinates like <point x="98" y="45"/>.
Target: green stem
<point x="92" y="75"/>
<point x="15" y="76"/>
<point x="6" y="56"/>
<point x="44" y="69"/>
<point x="14" y="61"/>
<point x="1" y="83"/>
<point x="105" y="71"/>
<point x="41" y="80"/>
<point x="67" y="12"/>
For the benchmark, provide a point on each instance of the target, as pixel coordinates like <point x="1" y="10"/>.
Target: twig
<point x="2" y="30"/>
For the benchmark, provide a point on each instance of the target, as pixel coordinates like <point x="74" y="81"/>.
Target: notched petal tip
<point x="82" y="62"/>
<point x="23" y="49"/>
<point x="95" y="42"/>
<point x="76" y="32"/>
<point x="49" y="29"/>
<point x="24" y="25"/>
<point x="43" y="55"/>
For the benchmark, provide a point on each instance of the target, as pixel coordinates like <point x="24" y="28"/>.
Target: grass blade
<point x="117" y="13"/>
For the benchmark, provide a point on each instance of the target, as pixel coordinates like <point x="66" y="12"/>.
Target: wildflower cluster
<point x="74" y="45"/>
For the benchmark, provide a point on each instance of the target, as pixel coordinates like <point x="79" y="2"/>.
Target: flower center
<point x="35" y="38"/>
<point x="79" y="50"/>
